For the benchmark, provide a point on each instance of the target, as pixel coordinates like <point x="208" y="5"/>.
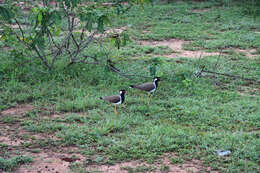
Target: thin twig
<point x="82" y="36"/>
<point x="200" y="59"/>
<point x="215" y="67"/>
<point x="20" y="28"/>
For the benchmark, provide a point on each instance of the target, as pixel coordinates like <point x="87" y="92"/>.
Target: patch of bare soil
<point x="52" y="162"/>
<point x="147" y="32"/>
<point x="111" y="31"/>
<point x="106" y="33"/>
<point x="14" y="135"/>
<point x="112" y="4"/>
<point x="9" y="141"/>
<point x="177" y="46"/>
<point x="255" y="130"/>
<point x="187" y="167"/>
<point x="116" y="30"/>
<point x="18" y="110"/>
<point x="245" y="90"/>
<point x="200" y="10"/>
<point x="248" y="52"/>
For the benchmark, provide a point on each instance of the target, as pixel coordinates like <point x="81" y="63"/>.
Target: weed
<point x="9" y="119"/>
<point x="10" y="164"/>
<point x="176" y="160"/>
<point x="165" y="168"/>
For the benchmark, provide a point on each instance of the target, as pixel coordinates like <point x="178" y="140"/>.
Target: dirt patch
<point x="178" y="51"/>
<point x="248" y="52"/>
<point x="186" y="167"/>
<point x="9" y="141"/>
<point x="58" y="115"/>
<point x="200" y="10"/>
<point x="177" y="46"/>
<point x="147" y="32"/>
<point x="245" y="90"/>
<point x="12" y="135"/>
<point x="192" y="54"/>
<point x="255" y="130"/>
<point x="174" y="44"/>
<point x="51" y="162"/>
<point x="15" y="135"/>
<point x="113" y="4"/>
<point x="121" y="167"/>
<point x="18" y="110"/>
<point x="106" y="33"/>
<point x="44" y="136"/>
<point x="116" y="30"/>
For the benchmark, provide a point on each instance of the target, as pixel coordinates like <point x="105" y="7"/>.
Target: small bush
<point x="10" y="164"/>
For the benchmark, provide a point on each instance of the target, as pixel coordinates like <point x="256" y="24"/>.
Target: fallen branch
<point x="229" y="75"/>
<point x="128" y="76"/>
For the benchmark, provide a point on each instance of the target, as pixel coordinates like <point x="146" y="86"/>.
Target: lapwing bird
<point x="148" y="87"/>
<point x="115" y="99"/>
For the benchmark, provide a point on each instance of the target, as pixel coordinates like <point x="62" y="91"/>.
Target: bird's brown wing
<point x="112" y="99"/>
<point x="146" y="86"/>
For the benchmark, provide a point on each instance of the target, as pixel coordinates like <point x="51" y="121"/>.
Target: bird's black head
<point x="157" y="79"/>
<point x="122" y="91"/>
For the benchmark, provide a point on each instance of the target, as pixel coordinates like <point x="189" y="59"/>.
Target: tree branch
<point x="44" y="60"/>
<point x="84" y="61"/>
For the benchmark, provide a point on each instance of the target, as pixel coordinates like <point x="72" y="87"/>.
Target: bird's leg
<point x="142" y="96"/>
<point x="115" y="110"/>
<point x="112" y="107"/>
<point x="148" y="98"/>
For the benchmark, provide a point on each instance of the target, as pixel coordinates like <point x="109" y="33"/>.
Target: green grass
<point x="189" y="116"/>
<point x="10" y="164"/>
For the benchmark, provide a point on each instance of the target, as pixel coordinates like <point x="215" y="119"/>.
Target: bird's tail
<point x="131" y="86"/>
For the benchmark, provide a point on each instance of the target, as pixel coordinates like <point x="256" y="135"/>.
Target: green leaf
<point x="113" y="41"/>
<point x="3" y="37"/>
<point x="35" y="10"/>
<point x="57" y="31"/>
<point x="40" y="17"/>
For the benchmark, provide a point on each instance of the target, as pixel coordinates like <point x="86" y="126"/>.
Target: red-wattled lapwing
<point x="149" y="87"/>
<point x="115" y="99"/>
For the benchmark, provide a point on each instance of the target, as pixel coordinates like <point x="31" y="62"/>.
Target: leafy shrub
<point x="10" y="164"/>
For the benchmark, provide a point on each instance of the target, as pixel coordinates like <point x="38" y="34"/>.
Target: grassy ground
<point x="188" y="116"/>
